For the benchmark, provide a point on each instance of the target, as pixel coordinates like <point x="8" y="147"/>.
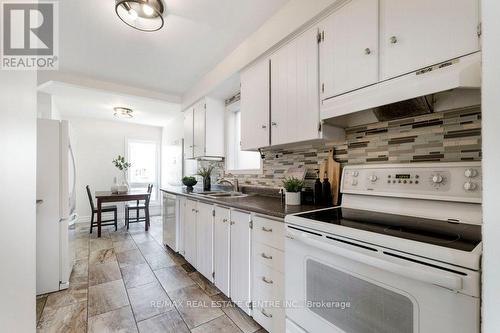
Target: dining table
<point x="108" y="196"/>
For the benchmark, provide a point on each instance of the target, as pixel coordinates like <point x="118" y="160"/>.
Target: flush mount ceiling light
<point x="121" y="112"/>
<point x="144" y="15"/>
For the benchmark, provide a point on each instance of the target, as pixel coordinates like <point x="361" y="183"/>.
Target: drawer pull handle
<point x="267" y="281"/>
<point x="268" y="315"/>
<point x="224" y="220"/>
<point x="265" y="256"/>
<point x="231" y="223"/>
<point x="267" y="229"/>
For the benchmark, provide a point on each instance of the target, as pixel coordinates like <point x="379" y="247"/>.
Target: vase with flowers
<point x="121" y="164"/>
<point x="206" y="173"/>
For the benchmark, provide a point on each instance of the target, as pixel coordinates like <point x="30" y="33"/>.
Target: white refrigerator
<point x="55" y="214"/>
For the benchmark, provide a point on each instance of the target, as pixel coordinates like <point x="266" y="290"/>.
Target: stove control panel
<point x="460" y="181"/>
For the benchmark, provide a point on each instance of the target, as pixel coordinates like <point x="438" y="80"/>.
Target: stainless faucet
<point x="233" y="183"/>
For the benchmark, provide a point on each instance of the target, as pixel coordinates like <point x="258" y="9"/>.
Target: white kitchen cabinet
<point x="204" y="129"/>
<point x="348" y="48"/>
<point x="181" y="213"/>
<point x="222" y="249"/>
<point x="240" y="259"/>
<point x="190" y="231"/>
<point x="188" y="133"/>
<point x="204" y="240"/>
<point x="418" y="33"/>
<point x="255" y="106"/>
<point x="199" y="131"/>
<point x="294" y="90"/>
<point x="268" y="281"/>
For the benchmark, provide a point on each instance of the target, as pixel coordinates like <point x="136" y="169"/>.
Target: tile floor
<point x="126" y="281"/>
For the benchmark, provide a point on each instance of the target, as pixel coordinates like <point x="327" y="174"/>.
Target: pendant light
<point x="144" y="15"/>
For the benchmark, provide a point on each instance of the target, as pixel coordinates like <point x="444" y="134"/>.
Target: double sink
<point x="221" y="195"/>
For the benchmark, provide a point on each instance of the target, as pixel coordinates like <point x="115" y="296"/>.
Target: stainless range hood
<point x="412" y="92"/>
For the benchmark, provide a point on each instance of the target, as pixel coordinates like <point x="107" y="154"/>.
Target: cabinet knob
<point x="224" y="220"/>
<point x="268" y="315"/>
<point x="393" y="39"/>
<point x="274" y="123"/>
<point x="265" y="256"/>
<point x="264" y="126"/>
<point x="231" y="223"/>
<point x="267" y="229"/>
<point x="368" y="51"/>
<point x="266" y="280"/>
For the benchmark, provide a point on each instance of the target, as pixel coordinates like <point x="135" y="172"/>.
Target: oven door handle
<point x="423" y="274"/>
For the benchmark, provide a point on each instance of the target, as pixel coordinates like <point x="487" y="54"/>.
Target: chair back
<point x="150" y="189"/>
<point x="91" y="200"/>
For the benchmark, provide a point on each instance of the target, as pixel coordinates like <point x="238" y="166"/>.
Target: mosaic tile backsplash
<point x="449" y="136"/>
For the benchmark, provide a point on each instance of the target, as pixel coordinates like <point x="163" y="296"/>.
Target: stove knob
<point x="470" y="173"/>
<point x="437" y="179"/>
<point x="469" y="186"/>
<point x="354" y="182"/>
<point x="355" y="173"/>
<point x="373" y="178"/>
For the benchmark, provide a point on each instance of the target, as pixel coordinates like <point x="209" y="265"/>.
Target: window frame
<point x="231" y="109"/>
<point x="133" y="185"/>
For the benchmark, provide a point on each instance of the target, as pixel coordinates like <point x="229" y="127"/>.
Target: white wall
<point x="17" y="200"/>
<point x="96" y="143"/>
<point x="171" y="166"/>
<point x="491" y="165"/>
<point x="294" y="15"/>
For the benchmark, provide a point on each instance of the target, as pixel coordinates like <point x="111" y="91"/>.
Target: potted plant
<point x="293" y="186"/>
<point x="189" y="182"/>
<point x="205" y="173"/>
<point x="123" y="166"/>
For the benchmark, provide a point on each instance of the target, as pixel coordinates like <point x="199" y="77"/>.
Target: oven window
<point x="355" y="305"/>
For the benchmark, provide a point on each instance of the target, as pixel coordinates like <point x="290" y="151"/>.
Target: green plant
<point x="205" y="172"/>
<point x="121" y="164"/>
<point x="189" y="181"/>
<point x="293" y="184"/>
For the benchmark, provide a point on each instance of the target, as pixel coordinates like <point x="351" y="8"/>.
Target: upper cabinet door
<point x="199" y="129"/>
<point x="294" y="90"/>
<point x="255" y="106"/>
<point x="420" y="33"/>
<point x="349" y="48"/>
<point x="188" y="133"/>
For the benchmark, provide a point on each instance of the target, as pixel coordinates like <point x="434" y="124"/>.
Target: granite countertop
<point x="256" y="203"/>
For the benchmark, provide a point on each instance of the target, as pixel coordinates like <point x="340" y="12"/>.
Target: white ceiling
<point x="196" y="36"/>
<point x="80" y="102"/>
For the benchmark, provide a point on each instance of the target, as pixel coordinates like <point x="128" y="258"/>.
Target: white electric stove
<point x="401" y="254"/>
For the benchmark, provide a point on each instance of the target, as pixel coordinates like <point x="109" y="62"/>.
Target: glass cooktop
<point x="457" y="236"/>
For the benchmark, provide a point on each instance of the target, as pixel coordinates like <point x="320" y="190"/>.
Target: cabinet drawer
<point x="270" y="315"/>
<point x="269" y="232"/>
<point x="268" y="284"/>
<point x="269" y="256"/>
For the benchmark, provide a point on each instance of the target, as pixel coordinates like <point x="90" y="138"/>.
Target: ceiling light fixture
<point x="121" y="112"/>
<point x="144" y="15"/>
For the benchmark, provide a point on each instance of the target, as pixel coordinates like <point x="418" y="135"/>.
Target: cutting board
<point x="333" y="172"/>
<point x="332" y="169"/>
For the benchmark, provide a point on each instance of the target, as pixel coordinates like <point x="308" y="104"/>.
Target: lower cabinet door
<point x="221" y="249"/>
<point x="240" y="259"/>
<point x="204" y="237"/>
<point x="190" y="232"/>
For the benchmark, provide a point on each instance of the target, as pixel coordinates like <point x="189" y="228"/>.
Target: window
<point x="238" y="161"/>
<point x="143" y="155"/>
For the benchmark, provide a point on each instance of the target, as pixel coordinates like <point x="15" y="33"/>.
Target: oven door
<point x="337" y="285"/>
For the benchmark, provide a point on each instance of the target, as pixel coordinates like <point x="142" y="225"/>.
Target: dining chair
<point x="104" y="209"/>
<point x="138" y="207"/>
